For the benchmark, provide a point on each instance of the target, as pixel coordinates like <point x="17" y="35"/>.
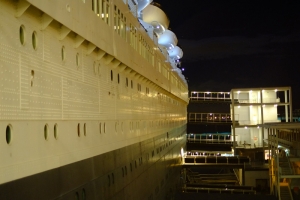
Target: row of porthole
<point x="22" y="34"/>
<point x="83" y="195"/>
<point x="8" y="132"/>
<point x="111" y="179"/>
<point x="46" y="131"/>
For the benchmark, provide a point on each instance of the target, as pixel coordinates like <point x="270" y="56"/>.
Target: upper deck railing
<point x="210" y="117"/>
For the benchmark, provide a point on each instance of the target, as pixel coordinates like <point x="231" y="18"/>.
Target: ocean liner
<point x="92" y="103"/>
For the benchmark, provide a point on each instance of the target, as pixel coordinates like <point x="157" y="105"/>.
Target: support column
<point x="286" y="106"/>
<point x="290" y="103"/>
<point x="262" y="119"/>
<point x="233" y="122"/>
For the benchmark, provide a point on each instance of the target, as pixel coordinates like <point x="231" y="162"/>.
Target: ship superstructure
<point x="92" y="104"/>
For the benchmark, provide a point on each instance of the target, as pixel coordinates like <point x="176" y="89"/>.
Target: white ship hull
<point x="82" y="112"/>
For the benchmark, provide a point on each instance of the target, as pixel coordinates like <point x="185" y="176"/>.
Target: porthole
<point x="95" y="68"/>
<point x="99" y="70"/>
<point x="46" y="131"/>
<point x="84" y="129"/>
<point x="76" y="196"/>
<point x="63" y="53"/>
<point x="8" y="134"/>
<point x="130" y="167"/>
<point x="34" y="40"/>
<point x="83" y="194"/>
<point x="77" y="59"/>
<point x="22" y="35"/>
<point x="32" y="77"/>
<point x="78" y="129"/>
<point x="55" y="131"/>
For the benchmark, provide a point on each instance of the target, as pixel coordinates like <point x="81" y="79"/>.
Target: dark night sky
<point x="234" y="44"/>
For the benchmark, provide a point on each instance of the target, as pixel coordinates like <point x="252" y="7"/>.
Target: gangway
<point x="210" y="97"/>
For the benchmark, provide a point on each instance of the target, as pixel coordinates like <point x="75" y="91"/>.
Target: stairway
<point x="285" y="193"/>
<point x="285" y="166"/>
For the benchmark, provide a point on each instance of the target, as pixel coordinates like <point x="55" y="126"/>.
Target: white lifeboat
<point x="168" y="39"/>
<point x="175" y="53"/>
<point x="142" y="4"/>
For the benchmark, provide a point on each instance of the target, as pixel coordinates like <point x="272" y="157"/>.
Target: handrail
<point x="220" y="190"/>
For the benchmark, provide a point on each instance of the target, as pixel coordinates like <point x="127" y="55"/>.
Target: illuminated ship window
<point x="22" y="34"/>
<point x="46" y="132"/>
<point x="55" y="131"/>
<point x="34" y="40"/>
<point x="8" y="133"/>
<point x="84" y="129"/>
<point x="78" y="129"/>
<point x="63" y="53"/>
<point x="111" y="75"/>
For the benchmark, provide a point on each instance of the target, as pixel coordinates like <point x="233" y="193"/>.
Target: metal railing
<point x="210" y="117"/>
<point x="218" y="190"/>
<point x="217" y="160"/>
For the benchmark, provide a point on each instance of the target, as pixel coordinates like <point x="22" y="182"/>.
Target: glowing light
<point x="250" y="91"/>
<point x="239" y="106"/>
<point x="238" y="92"/>
<point x="257" y="126"/>
<point x="275" y="90"/>
<point x="275" y="105"/>
<point x="246" y="127"/>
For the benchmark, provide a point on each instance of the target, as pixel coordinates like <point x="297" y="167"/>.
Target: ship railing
<point x="218" y="190"/>
<point x="227" y="160"/>
<point x="210" y="117"/>
<point x="132" y="7"/>
<point x="210" y="141"/>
